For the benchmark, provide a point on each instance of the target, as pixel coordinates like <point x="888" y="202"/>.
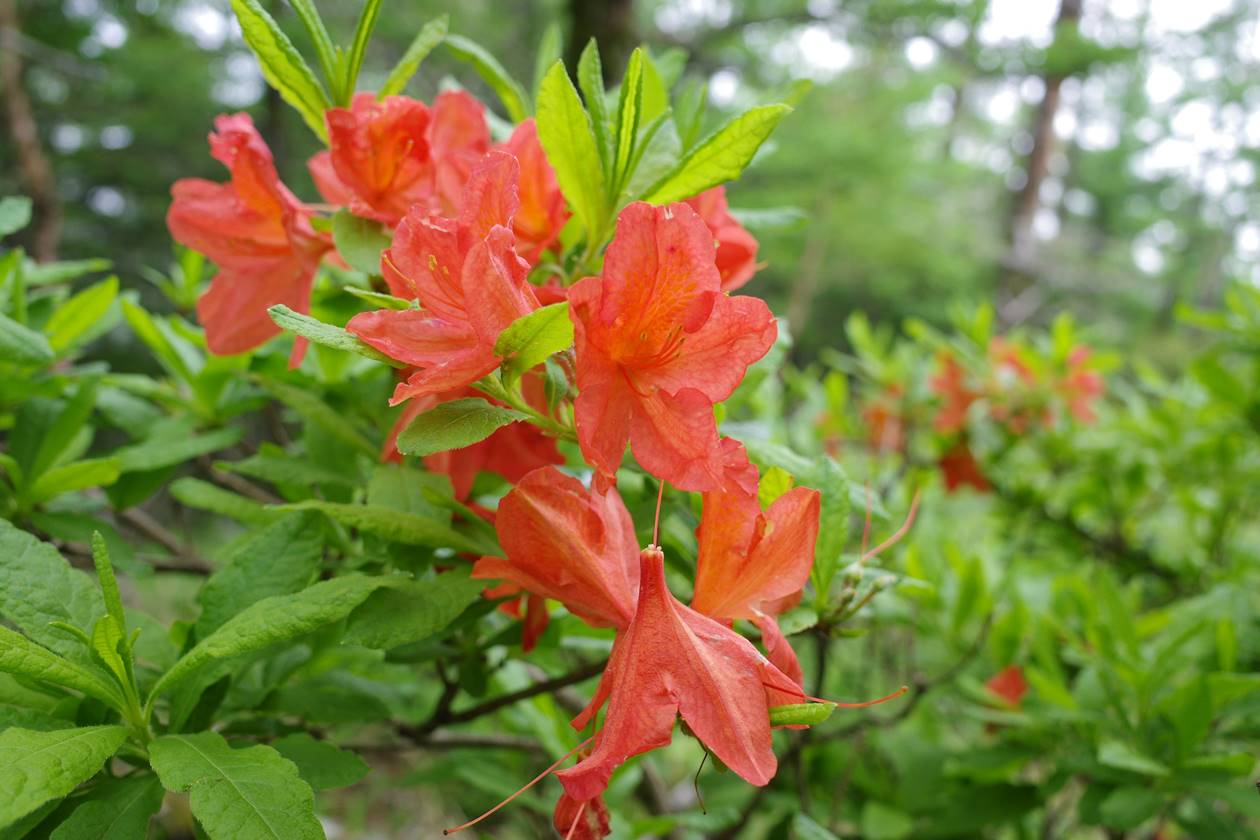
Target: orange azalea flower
<point x="257" y="232"/>
<point x="543" y="211"/>
<point x="670" y="661"/>
<point x="657" y="345"/>
<point x="885" y="427"/>
<point x="386" y="156"/>
<point x="751" y="562"/>
<point x="736" y="247"/>
<point x="586" y="820"/>
<point x="568" y="543"/>
<point x="467" y="278"/>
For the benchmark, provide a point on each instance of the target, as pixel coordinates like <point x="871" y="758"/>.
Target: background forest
<point x="1015" y="245"/>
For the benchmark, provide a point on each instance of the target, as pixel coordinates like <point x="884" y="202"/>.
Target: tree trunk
<point x="611" y="24"/>
<point x="33" y="169"/>
<point x="1018" y="265"/>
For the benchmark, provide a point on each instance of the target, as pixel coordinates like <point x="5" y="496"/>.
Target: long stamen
<point x="544" y="774"/>
<point x="656" y="524"/>
<point x="901" y="532"/>
<point x="577" y="818"/>
<point x="905" y="689"/>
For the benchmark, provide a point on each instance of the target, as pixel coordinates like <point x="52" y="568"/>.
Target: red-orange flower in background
<point x="387" y="155"/>
<point x="752" y="564"/>
<point x="884" y="420"/>
<point x="1009" y="684"/>
<point x="511" y="451"/>
<point x="543" y="211"/>
<point x="658" y="344"/>
<point x="256" y="231"/>
<point x="468" y="279"/>
<point x="1081" y="386"/>
<point x="960" y="468"/>
<point x="568" y="543"/>
<point x="736" y="247"/>
<point x="670" y="661"/>
<point x="950" y="384"/>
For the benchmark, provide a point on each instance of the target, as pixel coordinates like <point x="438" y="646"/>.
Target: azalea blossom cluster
<point x="475" y="234"/>
<point x="1019" y="389"/>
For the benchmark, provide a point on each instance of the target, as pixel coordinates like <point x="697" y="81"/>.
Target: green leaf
<point x="109" y="583"/>
<point x="324" y="766"/>
<point x="591" y="80"/>
<point x="281" y="468"/>
<point x="800" y="714"/>
<point x="721" y="156"/>
<point x="806" y="829"/>
<point x="23" y="658"/>
<point x="381" y="301"/>
<point x="79" y="475"/>
<point x="271" y="621"/>
<point x="314" y="25"/>
<point x="63" y="271"/>
<point x="360" y="241"/>
<point x="151" y="331"/>
<point x="116" y="809"/>
<point x="629" y="107"/>
<point x="37" y="767"/>
<point x="454" y="425"/>
<point x="22" y="345"/>
<point x="280" y="559"/>
<point x="530" y="339"/>
<point x="550" y="47"/>
<point x="57" y="436"/>
<point x="358" y="47"/>
<point x="316" y="411"/>
<point x="568" y="138"/>
<point x="883" y="822"/>
<point x="1128" y="807"/>
<point x="412" y="611"/>
<point x="250" y="793"/>
<point x="774" y="483"/>
<point x="396" y="526"/>
<point x="202" y="495"/>
<point x="78" y="316"/>
<point x="833" y="523"/>
<point x="37" y="587"/>
<point x="424" y="42"/>
<point x="15" y="213"/>
<point x="488" y="67"/>
<point x="282" y="65"/>
<point x="1121" y="756"/>
<point x="326" y="334"/>
<point x="168" y="450"/>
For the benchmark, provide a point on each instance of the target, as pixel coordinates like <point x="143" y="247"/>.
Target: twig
<point x="189" y="563"/>
<point x="458" y="740"/>
<point x="237" y="484"/>
<point x="444" y="716"/>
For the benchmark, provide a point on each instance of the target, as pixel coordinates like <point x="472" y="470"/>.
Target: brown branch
<point x="236" y="483"/>
<point x="34" y="171"/>
<point x="189" y="561"/>
<point x="444" y="716"/>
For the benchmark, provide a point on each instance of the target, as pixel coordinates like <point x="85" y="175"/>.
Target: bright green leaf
<point x="454" y="425"/>
<point x="396" y="526"/>
<point x="250" y="793"/>
<point x="326" y="334"/>
<point x="509" y="91"/>
<point x="22" y="657"/>
<point x="426" y="39"/>
<point x="568" y="138"/>
<point x="530" y="339"/>
<point x="721" y="156"/>
<point x="15" y="213"/>
<point x="324" y="766"/>
<point x="22" y="345"/>
<point x="800" y="714"/>
<point x="282" y="65"/>
<point x="411" y="612"/>
<point x="360" y="241"/>
<point x="36" y="767"/>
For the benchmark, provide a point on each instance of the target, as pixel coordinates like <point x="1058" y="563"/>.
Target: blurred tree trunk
<point x="34" y="171"/>
<point x="1019" y="264"/>
<point x="611" y="24"/>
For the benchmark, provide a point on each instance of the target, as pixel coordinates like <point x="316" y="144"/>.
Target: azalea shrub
<point x="479" y="488"/>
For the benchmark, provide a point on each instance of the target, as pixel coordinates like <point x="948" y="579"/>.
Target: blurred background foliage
<point x="1085" y="168"/>
<point x="1096" y="156"/>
